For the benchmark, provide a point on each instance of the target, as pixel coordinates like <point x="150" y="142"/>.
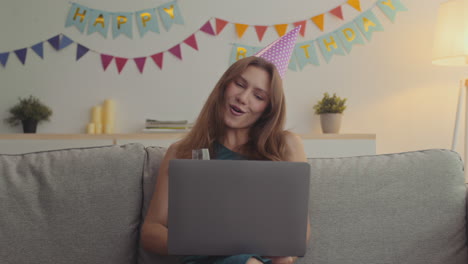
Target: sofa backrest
<point x="71" y="206"/>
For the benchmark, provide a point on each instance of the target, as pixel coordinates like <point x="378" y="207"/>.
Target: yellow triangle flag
<point x="240" y="29"/>
<point x="318" y="21"/>
<point x="281" y="29"/>
<point x="356" y="4"/>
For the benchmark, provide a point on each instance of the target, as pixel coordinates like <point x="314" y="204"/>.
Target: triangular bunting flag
<point x="81" y="51"/>
<point x="220" y="24"/>
<point x="338" y="12"/>
<point x="281" y="29"/>
<point x="140" y="63"/>
<point x="106" y="60"/>
<point x="356" y="4"/>
<point x="4" y="58"/>
<point x="39" y="49"/>
<point x="158" y="59"/>
<point x="55" y="42"/>
<point x="176" y="51"/>
<point x="21" y="54"/>
<point x="303" y="26"/>
<point x="64" y="42"/>
<point x="208" y="29"/>
<point x="318" y="21"/>
<point x="260" y="31"/>
<point x="240" y="29"/>
<point x="191" y="41"/>
<point x="120" y="63"/>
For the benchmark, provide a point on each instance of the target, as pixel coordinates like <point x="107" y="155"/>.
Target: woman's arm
<point x="154" y="230"/>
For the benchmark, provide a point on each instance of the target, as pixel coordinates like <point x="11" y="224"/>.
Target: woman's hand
<point x="282" y="260"/>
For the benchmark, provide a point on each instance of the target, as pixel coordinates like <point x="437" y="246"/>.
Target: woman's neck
<point x="235" y="138"/>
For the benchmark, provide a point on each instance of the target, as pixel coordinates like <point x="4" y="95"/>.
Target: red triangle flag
<point x="176" y="51"/>
<point x="158" y="59"/>
<point x="191" y="41"/>
<point x="337" y="12"/>
<point x="220" y="24"/>
<point x="303" y="25"/>
<point x="120" y="63"/>
<point x="260" y="31"/>
<point x="106" y="60"/>
<point x="207" y="28"/>
<point x="140" y="63"/>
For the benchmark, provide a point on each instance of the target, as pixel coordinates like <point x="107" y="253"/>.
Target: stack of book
<point x="181" y="126"/>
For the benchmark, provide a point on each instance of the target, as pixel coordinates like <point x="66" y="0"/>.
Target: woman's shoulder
<point x="173" y="149"/>
<point x="294" y="147"/>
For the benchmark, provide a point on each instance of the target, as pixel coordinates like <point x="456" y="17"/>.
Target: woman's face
<point x="246" y="98"/>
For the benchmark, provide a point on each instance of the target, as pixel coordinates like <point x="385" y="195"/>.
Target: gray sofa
<point x="86" y="205"/>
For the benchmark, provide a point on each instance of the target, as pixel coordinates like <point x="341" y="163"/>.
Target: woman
<point x="243" y="118"/>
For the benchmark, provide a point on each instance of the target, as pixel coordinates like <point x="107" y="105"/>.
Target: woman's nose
<point x="241" y="97"/>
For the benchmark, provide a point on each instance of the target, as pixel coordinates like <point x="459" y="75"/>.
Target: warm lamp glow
<point x="451" y="34"/>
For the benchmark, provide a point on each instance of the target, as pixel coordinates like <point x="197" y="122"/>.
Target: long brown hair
<point x="266" y="136"/>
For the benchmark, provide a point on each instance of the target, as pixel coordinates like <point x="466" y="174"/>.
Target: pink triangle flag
<point x="260" y="31"/>
<point x="302" y="24"/>
<point x="120" y="63"/>
<point x="176" y="51"/>
<point x="337" y="12"/>
<point x="158" y="59"/>
<point x="106" y="60"/>
<point x="191" y="41"/>
<point x="207" y="28"/>
<point x="140" y="63"/>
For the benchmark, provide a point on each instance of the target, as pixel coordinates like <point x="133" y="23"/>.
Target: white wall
<point x="391" y="86"/>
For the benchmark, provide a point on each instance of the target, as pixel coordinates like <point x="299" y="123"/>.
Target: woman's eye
<point x="259" y="97"/>
<point x="239" y="84"/>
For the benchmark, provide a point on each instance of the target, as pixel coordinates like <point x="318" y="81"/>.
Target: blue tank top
<point x="221" y="152"/>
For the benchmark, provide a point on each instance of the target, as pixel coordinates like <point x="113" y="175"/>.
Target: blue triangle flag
<point x="39" y="49"/>
<point x="55" y="42"/>
<point x="4" y="58"/>
<point x="81" y="51"/>
<point x="64" y="42"/>
<point x="21" y="54"/>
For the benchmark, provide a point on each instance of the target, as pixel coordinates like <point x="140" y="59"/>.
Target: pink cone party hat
<point x="279" y="52"/>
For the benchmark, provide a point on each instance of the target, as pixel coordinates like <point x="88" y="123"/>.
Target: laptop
<point x="230" y="207"/>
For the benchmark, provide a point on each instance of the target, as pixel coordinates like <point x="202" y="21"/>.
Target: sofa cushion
<point x="71" y="206"/>
<point x="154" y="157"/>
<point x="396" y="208"/>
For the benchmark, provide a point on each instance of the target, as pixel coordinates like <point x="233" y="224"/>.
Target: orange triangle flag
<point x="303" y="25"/>
<point x="220" y="24"/>
<point x="318" y="21"/>
<point x="260" y="31"/>
<point x="356" y="4"/>
<point x="240" y="29"/>
<point x="337" y="12"/>
<point x="281" y="29"/>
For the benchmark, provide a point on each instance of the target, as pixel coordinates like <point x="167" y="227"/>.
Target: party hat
<point x="279" y="52"/>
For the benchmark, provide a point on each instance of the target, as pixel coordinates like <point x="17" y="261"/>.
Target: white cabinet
<point x="316" y="146"/>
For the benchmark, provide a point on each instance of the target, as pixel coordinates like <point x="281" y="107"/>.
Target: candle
<point x="108" y="128"/>
<point x="96" y="115"/>
<point x="91" y="128"/>
<point x="109" y="111"/>
<point x="98" y="128"/>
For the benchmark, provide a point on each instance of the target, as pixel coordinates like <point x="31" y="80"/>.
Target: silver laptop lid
<point x="228" y="207"/>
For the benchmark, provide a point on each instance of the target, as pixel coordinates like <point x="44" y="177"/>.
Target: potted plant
<point x="28" y="111"/>
<point x="330" y="109"/>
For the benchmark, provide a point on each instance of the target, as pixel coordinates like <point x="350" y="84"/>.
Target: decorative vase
<point x="330" y="123"/>
<point x="29" y="126"/>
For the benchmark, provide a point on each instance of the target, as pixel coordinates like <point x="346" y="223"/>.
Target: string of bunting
<point x="122" y="22"/>
<point x="281" y="29"/>
<point x="338" y="42"/>
<point x="61" y="41"/>
<point x="335" y="43"/>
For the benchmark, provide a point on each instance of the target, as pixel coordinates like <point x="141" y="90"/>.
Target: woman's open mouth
<point x="236" y="110"/>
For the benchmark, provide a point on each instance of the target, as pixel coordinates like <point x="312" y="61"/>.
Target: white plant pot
<point x="330" y="123"/>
